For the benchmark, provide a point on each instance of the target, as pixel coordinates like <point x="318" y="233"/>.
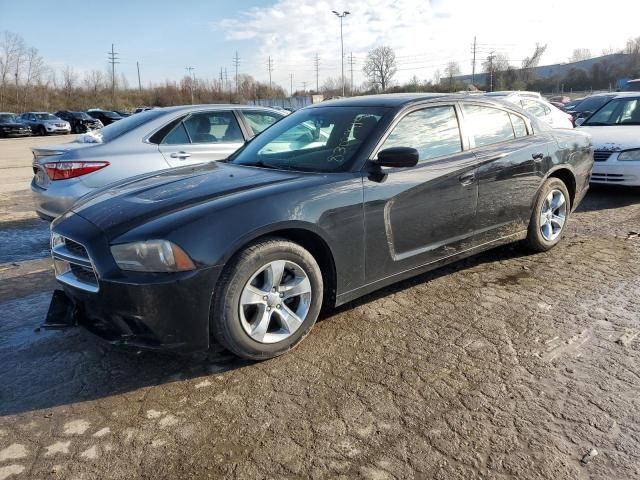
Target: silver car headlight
<point x="630" y="155"/>
<point x="151" y="256"/>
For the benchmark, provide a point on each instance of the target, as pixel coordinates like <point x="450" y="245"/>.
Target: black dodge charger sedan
<point x="330" y="203"/>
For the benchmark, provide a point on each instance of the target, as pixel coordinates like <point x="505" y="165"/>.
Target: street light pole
<point x="341" y="17"/>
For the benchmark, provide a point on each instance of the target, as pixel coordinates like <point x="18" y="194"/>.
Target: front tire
<point x="268" y="299"/>
<point x="549" y="217"/>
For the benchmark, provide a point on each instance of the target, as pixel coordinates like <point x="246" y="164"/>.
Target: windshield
<point x="620" y="111"/>
<point x="46" y="116"/>
<point x="8" y="118"/>
<point x="127" y="124"/>
<point x="111" y="115"/>
<point x="324" y="139"/>
<point x="81" y="116"/>
<point x="632" y="86"/>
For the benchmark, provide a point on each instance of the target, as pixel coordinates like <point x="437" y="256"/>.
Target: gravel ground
<point x="506" y="365"/>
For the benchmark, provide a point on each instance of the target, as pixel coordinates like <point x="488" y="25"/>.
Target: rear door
<point x="511" y="158"/>
<point x="202" y="137"/>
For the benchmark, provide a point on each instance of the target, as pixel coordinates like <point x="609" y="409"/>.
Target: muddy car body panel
<point x="371" y="225"/>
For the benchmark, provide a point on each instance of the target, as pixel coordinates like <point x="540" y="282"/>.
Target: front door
<point x="202" y="137"/>
<point x="418" y="215"/>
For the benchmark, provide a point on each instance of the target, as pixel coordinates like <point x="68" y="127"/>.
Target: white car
<point x="615" y="133"/>
<point x="533" y="103"/>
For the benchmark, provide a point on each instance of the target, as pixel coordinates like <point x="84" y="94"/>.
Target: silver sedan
<point x="153" y="140"/>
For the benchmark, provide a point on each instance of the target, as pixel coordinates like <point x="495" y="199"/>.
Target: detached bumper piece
<point x="62" y="312"/>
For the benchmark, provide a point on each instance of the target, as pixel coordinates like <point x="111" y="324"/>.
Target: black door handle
<point x="537" y="156"/>
<point x="467" y="178"/>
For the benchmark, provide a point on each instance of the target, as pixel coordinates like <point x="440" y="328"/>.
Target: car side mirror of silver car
<point x="398" y="157"/>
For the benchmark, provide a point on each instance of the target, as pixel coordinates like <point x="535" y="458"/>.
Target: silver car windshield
<point x="321" y="139"/>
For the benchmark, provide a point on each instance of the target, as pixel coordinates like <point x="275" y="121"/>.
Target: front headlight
<point x="630" y="155"/>
<point x="151" y="256"/>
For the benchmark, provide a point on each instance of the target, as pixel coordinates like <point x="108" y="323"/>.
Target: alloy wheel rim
<point x="553" y="215"/>
<point x="275" y="301"/>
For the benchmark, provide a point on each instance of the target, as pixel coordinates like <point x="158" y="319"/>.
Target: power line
<point x="316" y="64"/>
<point x="236" y="62"/>
<point x="270" y="67"/>
<point x="112" y="58"/>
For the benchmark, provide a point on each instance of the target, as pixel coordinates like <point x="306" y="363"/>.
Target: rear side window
<point x="434" y="132"/>
<point x="213" y="127"/>
<point x="177" y="136"/>
<point x="537" y="109"/>
<point x="488" y="125"/>
<point x="519" y="127"/>
<point x="259" y="120"/>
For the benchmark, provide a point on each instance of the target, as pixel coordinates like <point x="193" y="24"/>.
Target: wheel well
<point x="316" y="246"/>
<point x="568" y="179"/>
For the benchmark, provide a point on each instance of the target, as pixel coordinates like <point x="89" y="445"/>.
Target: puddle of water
<point x="27" y="241"/>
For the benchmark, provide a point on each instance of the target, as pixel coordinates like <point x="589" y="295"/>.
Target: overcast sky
<point x="165" y="36"/>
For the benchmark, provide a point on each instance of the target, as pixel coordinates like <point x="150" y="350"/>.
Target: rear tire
<point x="549" y="217"/>
<point x="268" y="299"/>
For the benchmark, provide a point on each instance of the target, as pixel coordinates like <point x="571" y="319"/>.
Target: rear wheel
<point x="269" y="298"/>
<point x="549" y="216"/>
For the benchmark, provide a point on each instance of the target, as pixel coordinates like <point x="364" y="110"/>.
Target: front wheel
<point x="268" y="299"/>
<point x="549" y="217"/>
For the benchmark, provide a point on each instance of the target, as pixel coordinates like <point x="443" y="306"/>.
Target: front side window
<point x="260" y="120"/>
<point x="434" y="132"/>
<point x="177" y="136"/>
<point x="488" y="125"/>
<point x="320" y="139"/>
<point x="213" y="127"/>
<point x="620" y="111"/>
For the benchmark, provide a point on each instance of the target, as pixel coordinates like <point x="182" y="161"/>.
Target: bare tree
<point x="436" y="77"/>
<point x="580" y="54"/>
<point x="69" y="81"/>
<point x="529" y="63"/>
<point x="34" y="69"/>
<point x="11" y="51"/>
<point x="451" y="70"/>
<point x="380" y="67"/>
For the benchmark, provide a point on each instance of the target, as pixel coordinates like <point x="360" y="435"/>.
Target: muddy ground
<point x="506" y="365"/>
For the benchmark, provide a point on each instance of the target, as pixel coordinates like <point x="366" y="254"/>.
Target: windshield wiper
<point x="263" y="164"/>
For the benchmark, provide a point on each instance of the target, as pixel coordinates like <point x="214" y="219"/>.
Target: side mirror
<point x="398" y="157"/>
<point x="579" y="121"/>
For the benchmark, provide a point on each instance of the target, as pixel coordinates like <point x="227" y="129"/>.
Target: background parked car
<point x="44" y="123"/>
<point x="588" y="105"/>
<point x="153" y="140"/>
<point x="10" y="126"/>
<point x="538" y="107"/>
<point x="107" y="117"/>
<point x="615" y="133"/>
<point x="562" y="99"/>
<point x="123" y="113"/>
<point x="80" y="122"/>
<point x="631" y="86"/>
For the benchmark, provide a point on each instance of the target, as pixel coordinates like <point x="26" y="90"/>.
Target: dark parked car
<point x="332" y="202"/>
<point x="631" y="86"/>
<point x="80" y="121"/>
<point x="588" y="105"/>
<point x="10" y="126"/>
<point x="105" y="116"/>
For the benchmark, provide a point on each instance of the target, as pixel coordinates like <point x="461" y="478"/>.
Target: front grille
<point x="601" y="156"/>
<point x="72" y="264"/>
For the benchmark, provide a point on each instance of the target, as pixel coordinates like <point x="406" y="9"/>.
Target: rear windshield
<point x="125" y="125"/>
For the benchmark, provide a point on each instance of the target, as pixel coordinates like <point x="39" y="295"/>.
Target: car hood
<point x="613" y="138"/>
<point x="129" y="203"/>
<point x="13" y="124"/>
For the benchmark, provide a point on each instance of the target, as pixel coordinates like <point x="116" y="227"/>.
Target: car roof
<point x="7" y="113"/>
<point x="389" y="99"/>
<point x="217" y="106"/>
<point x="627" y="94"/>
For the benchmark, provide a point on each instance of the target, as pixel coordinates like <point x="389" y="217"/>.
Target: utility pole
<point x="491" y="71"/>
<point x="270" y="67"/>
<point x="221" y="86"/>
<point x="193" y="80"/>
<point x="139" y="82"/>
<point x="236" y="62"/>
<point x="304" y="86"/>
<point x="351" y="63"/>
<point x="341" y="17"/>
<point x="473" y="63"/>
<point x="291" y="80"/>
<point x="112" y="58"/>
<point x="316" y="64"/>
